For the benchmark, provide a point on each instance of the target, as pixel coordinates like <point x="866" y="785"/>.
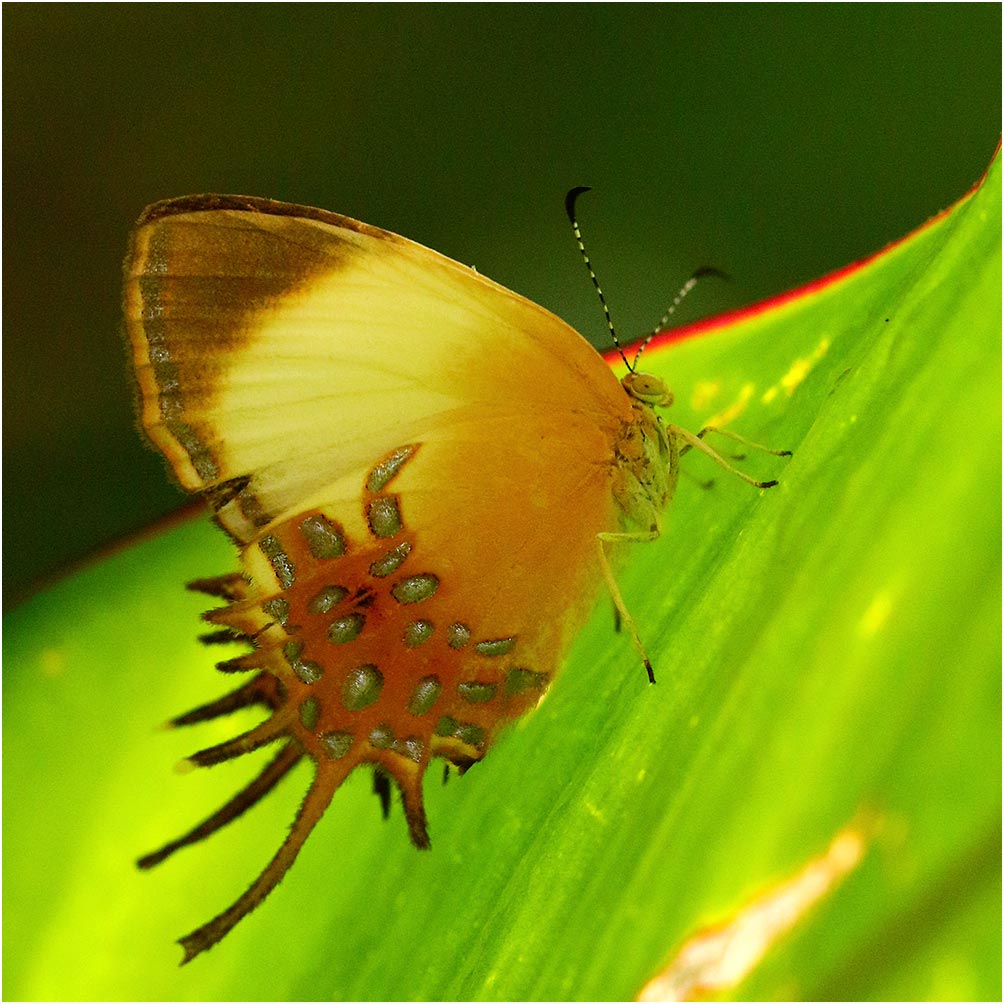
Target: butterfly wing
<point x="415" y="463"/>
<point x="287" y="346"/>
<point x="281" y="351"/>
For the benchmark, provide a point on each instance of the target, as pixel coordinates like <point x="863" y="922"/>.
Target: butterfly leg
<point x="615" y="593"/>
<point x="691" y="441"/>
<point x="729" y="434"/>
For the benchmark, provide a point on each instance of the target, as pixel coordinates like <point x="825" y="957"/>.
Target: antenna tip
<point x="570" y="198"/>
<point x="709" y="270"/>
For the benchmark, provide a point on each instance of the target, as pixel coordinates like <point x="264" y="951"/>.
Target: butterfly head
<point x="647" y="389"/>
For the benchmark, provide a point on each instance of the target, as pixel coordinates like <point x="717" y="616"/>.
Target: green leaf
<point x="828" y="657"/>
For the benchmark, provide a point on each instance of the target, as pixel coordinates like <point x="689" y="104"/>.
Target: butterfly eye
<point x="648" y="389"/>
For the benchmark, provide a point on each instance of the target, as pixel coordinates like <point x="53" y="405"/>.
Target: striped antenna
<point x="701" y="273"/>
<point x="570" y="199"/>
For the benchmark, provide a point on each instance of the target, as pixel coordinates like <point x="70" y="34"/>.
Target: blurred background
<point x="776" y="142"/>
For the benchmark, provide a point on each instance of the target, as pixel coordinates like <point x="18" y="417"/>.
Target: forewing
<point x="278" y="348"/>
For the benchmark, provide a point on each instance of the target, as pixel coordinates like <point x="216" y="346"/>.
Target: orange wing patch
<point x="361" y="660"/>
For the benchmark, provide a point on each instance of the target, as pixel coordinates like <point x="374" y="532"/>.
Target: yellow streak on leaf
<point x="875" y="617"/>
<point x="704" y="392"/>
<point x="797" y="372"/>
<point x="720" y="957"/>
<point x="728" y="415"/>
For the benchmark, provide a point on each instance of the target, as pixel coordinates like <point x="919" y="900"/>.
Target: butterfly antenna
<point x="701" y="273"/>
<point x="570" y="200"/>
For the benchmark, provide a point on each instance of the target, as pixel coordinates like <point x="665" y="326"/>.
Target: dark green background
<point x="776" y="142"/>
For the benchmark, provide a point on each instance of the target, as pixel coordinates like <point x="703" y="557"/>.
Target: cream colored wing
<point x="278" y="348"/>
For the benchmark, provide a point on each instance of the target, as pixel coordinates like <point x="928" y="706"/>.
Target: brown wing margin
<point x="211" y="203"/>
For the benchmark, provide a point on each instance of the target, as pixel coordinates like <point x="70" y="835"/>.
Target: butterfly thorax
<point x="645" y="455"/>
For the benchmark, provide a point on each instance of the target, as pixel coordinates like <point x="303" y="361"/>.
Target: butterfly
<point x="422" y="472"/>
